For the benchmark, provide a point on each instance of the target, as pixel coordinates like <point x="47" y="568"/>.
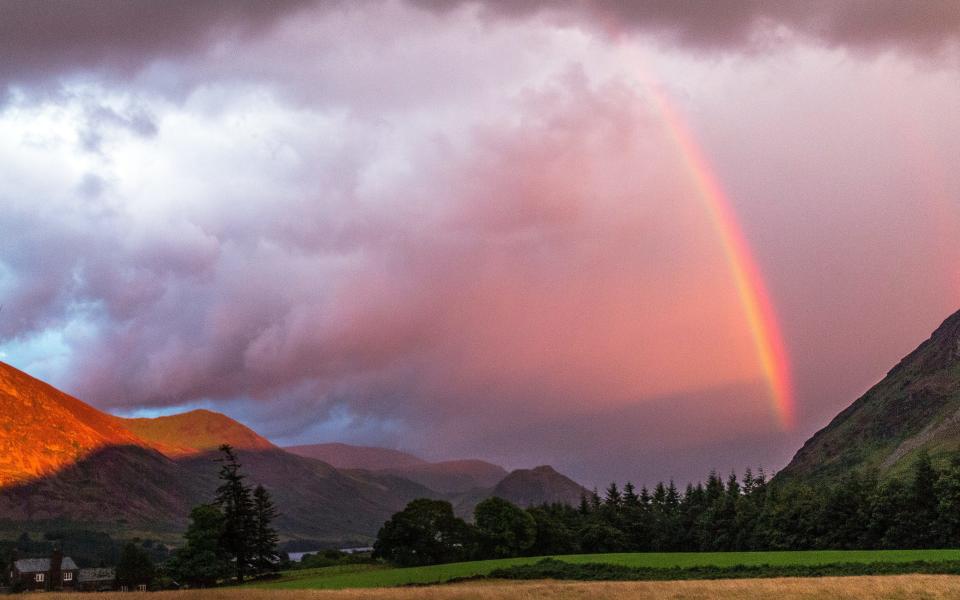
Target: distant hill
<point x="530" y="487"/>
<point x="345" y="456"/>
<point x="195" y="432"/>
<point x="916" y="407"/>
<point x="447" y="477"/>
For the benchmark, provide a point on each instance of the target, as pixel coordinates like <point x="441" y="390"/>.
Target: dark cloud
<point x="926" y="26"/>
<point x="40" y="40"/>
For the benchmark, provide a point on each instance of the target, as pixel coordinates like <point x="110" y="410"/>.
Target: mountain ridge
<point x="195" y="432"/>
<point x="447" y="476"/>
<point x="914" y="408"/>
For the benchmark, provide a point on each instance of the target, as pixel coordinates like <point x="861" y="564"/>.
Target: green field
<point x="359" y="576"/>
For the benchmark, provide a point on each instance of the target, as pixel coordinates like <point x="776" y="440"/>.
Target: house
<point x="58" y="572"/>
<point x="97" y="580"/>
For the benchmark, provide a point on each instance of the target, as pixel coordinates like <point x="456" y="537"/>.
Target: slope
<point x="43" y="430"/>
<point x="916" y="407"/>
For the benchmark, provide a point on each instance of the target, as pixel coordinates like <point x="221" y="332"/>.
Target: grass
<point x="367" y="576"/>
<point x="900" y="587"/>
<point x="553" y="569"/>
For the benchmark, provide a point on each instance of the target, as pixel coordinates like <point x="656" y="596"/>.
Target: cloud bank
<point x="463" y="229"/>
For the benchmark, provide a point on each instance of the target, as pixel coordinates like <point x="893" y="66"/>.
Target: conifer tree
<point x="672" y="500"/>
<point x="645" y="498"/>
<point x="659" y="500"/>
<point x="265" y="556"/>
<point x="595" y="502"/>
<point x="614" y="499"/>
<point x="924" y="502"/>
<point x="584" y="509"/>
<point x="630" y="497"/>
<point x="714" y="488"/>
<point x="748" y="482"/>
<point x="235" y="501"/>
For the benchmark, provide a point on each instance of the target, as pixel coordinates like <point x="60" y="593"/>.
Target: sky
<point x="634" y="240"/>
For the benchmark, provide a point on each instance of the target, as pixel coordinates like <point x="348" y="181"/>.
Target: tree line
<point x="920" y="509"/>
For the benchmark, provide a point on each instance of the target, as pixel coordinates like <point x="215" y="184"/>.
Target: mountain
<point x="345" y="456"/>
<point x="530" y="487"/>
<point x="195" y="432"/>
<point x="43" y="430"/>
<point x="448" y="477"/>
<point x="915" y="408"/>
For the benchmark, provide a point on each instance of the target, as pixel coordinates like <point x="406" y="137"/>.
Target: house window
<point x="68" y="576"/>
<point x="38" y="577"/>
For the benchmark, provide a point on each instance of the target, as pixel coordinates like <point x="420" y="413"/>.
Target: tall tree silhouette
<point x="234" y="499"/>
<point x="265" y="538"/>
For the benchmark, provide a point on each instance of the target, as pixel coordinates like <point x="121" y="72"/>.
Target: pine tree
<point x="733" y="486"/>
<point x="749" y="482"/>
<point x="924" y="502"/>
<point x="630" y="497"/>
<point x="584" y="509"/>
<point x="265" y="556"/>
<point x="660" y="497"/>
<point x="761" y="478"/>
<point x="234" y="500"/>
<point x="613" y="500"/>
<point x="672" y="500"/>
<point x="645" y="498"/>
<point x="714" y="487"/>
<point x="595" y="502"/>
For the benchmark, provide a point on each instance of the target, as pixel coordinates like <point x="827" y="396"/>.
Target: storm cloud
<point x="929" y="26"/>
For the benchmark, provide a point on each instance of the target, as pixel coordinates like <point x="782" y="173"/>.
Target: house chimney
<point x="56" y="563"/>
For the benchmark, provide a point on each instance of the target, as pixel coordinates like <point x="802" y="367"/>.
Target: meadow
<point x="371" y="576"/>
<point x="912" y="587"/>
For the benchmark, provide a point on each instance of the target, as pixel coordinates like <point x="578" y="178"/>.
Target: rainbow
<point x="752" y="292"/>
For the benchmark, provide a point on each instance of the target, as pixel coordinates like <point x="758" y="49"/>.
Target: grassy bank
<point x="364" y="576"/>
